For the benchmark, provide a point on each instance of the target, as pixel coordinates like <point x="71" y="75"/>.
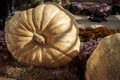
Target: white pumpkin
<point x="44" y="36"/>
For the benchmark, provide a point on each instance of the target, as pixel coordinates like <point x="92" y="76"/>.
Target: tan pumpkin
<point x="44" y="36"/>
<point x="104" y="63"/>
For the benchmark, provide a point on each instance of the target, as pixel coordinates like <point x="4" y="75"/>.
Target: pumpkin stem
<point x="39" y="38"/>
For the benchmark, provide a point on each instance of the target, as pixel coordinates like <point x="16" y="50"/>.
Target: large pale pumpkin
<point x="44" y="36"/>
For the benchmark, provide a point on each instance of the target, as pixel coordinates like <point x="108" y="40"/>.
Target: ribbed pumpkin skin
<point x="45" y="36"/>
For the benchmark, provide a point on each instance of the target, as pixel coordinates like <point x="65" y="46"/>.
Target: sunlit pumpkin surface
<point x="44" y="36"/>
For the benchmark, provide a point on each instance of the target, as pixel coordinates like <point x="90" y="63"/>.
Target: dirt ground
<point x="10" y="68"/>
